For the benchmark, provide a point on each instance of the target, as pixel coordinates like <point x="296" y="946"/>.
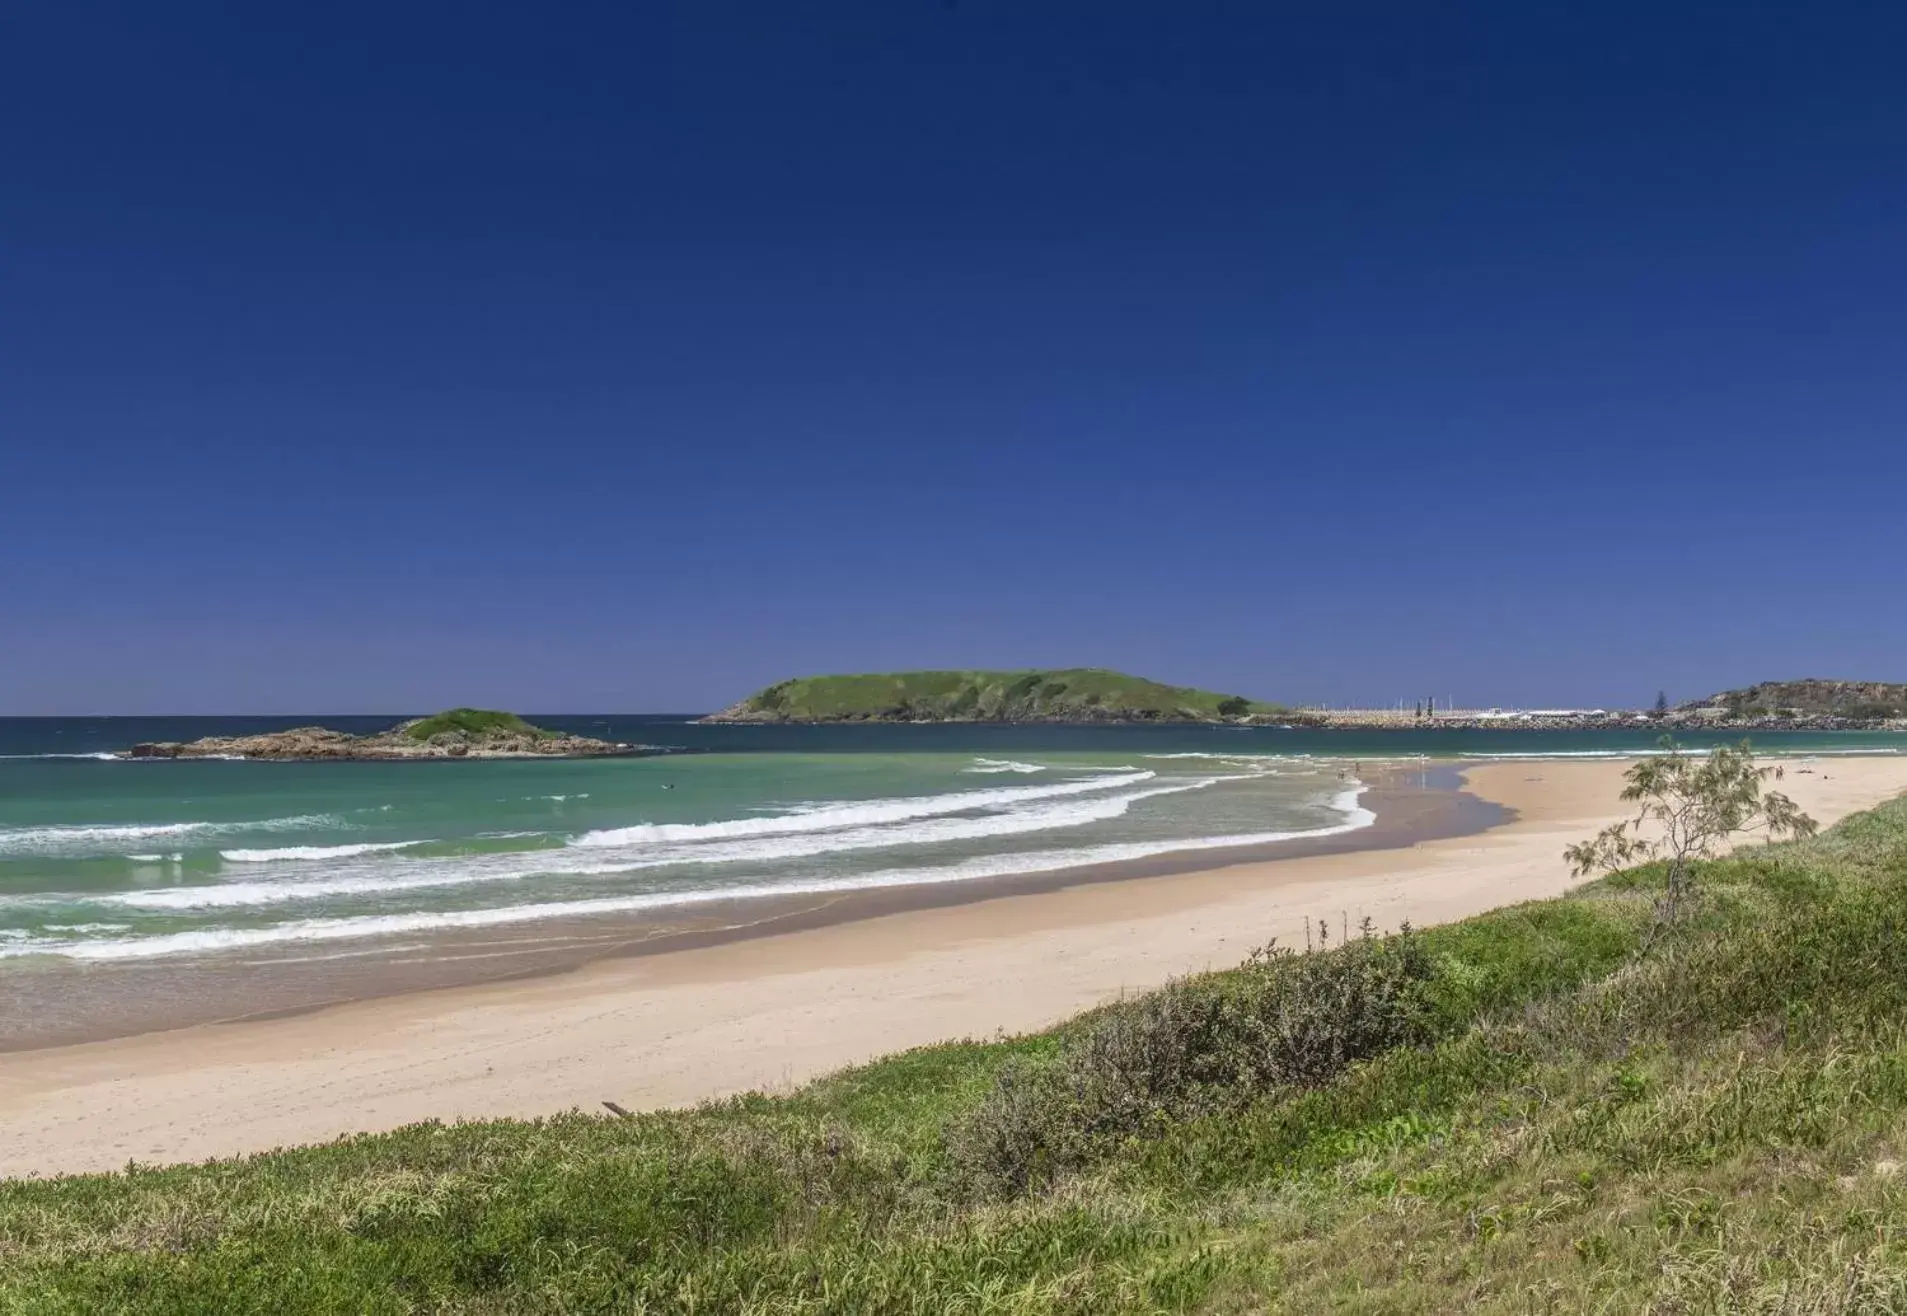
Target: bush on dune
<point x="1284" y="1021"/>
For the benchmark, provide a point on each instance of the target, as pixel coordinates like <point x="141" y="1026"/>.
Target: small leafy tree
<point x="1696" y="804"/>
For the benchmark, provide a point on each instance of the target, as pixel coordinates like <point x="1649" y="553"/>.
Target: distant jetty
<point x="460" y="733"/>
<point x="1805" y="705"/>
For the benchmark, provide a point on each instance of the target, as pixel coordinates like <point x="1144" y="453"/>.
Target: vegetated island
<point x="460" y="733"/>
<point x="1068" y="694"/>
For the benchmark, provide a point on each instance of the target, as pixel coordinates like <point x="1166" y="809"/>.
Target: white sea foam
<point x="1208" y="754"/>
<point x="173" y="858"/>
<point x="851" y="813"/>
<point x="1260" y="762"/>
<point x="1566" y="753"/>
<point x="353" y="954"/>
<point x="1689" y="751"/>
<point x="990" y="766"/>
<point x="101" y="756"/>
<point x="27" y="838"/>
<point x="1269" y="765"/>
<point x="105" y="838"/>
<point x="314" y="851"/>
<point x="333" y="929"/>
<point x="386" y="878"/>
<point x="1779" y="753"/>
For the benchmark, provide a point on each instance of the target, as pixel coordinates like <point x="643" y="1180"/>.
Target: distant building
<point x="1542" y="714"/>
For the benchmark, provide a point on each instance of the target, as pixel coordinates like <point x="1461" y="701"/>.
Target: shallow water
<point x="111" y="861"/>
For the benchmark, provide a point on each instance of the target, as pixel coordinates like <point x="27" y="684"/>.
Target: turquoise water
<point x="116" y="861"/>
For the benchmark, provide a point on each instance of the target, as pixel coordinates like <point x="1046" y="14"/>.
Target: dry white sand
<point x="770" y="1012"/>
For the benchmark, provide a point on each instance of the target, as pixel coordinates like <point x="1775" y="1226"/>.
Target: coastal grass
<point x="1523" y="1112"/>
<point x="475" y="722"/>
<point x="1036" y="694"/>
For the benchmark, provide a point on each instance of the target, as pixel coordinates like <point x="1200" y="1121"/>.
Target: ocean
<point x="194" y="864"/>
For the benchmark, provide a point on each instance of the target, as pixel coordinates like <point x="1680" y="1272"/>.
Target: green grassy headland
<point x="1522" y="1112"/>
<point x="1082" y="694"/>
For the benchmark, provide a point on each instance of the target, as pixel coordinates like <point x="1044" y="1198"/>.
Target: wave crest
<point x="344" y="928"/>
<point x="314" y="851"/>
<point x="103" y="838"/>
<point x="852" y="813"/>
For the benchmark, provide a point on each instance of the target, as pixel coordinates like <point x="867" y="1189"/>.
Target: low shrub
<point x="1286" y="1021"/>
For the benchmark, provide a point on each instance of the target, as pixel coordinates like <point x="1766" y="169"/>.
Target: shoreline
<point x="774" y="1006"/>
<point x="167" y="994"/>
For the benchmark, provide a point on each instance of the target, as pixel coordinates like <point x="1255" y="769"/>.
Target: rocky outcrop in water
<point x="461" y="734"/>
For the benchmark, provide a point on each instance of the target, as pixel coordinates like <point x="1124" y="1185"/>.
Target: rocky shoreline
<point x="399" y="743"/>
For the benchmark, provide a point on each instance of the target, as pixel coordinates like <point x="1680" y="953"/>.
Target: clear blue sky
<point x="627" y="357"/>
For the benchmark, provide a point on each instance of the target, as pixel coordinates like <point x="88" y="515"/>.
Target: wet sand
<point x="710" y="1011"/>
<point x="60" y="1002"/>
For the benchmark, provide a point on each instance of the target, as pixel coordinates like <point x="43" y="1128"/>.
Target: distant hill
<point x="1071" y="694"/>
<point x="1854" y="700"/>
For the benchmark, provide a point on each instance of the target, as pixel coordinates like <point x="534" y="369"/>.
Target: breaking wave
<point x="387" y="878"/>
<point x="831" y="817"/>
<point x="342" y="928"/>
<point x="100" y="756"/>
<point x="106" y="838"/>
<point x="314" y="851"/>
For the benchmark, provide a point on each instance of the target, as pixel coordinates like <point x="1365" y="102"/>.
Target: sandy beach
<point x="773" y="1011"/>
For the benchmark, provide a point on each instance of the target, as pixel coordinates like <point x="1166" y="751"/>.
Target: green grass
<point x="1715" y="1125"/>
<point x="472" y="722"/>
<point x="1052" y="694"/>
